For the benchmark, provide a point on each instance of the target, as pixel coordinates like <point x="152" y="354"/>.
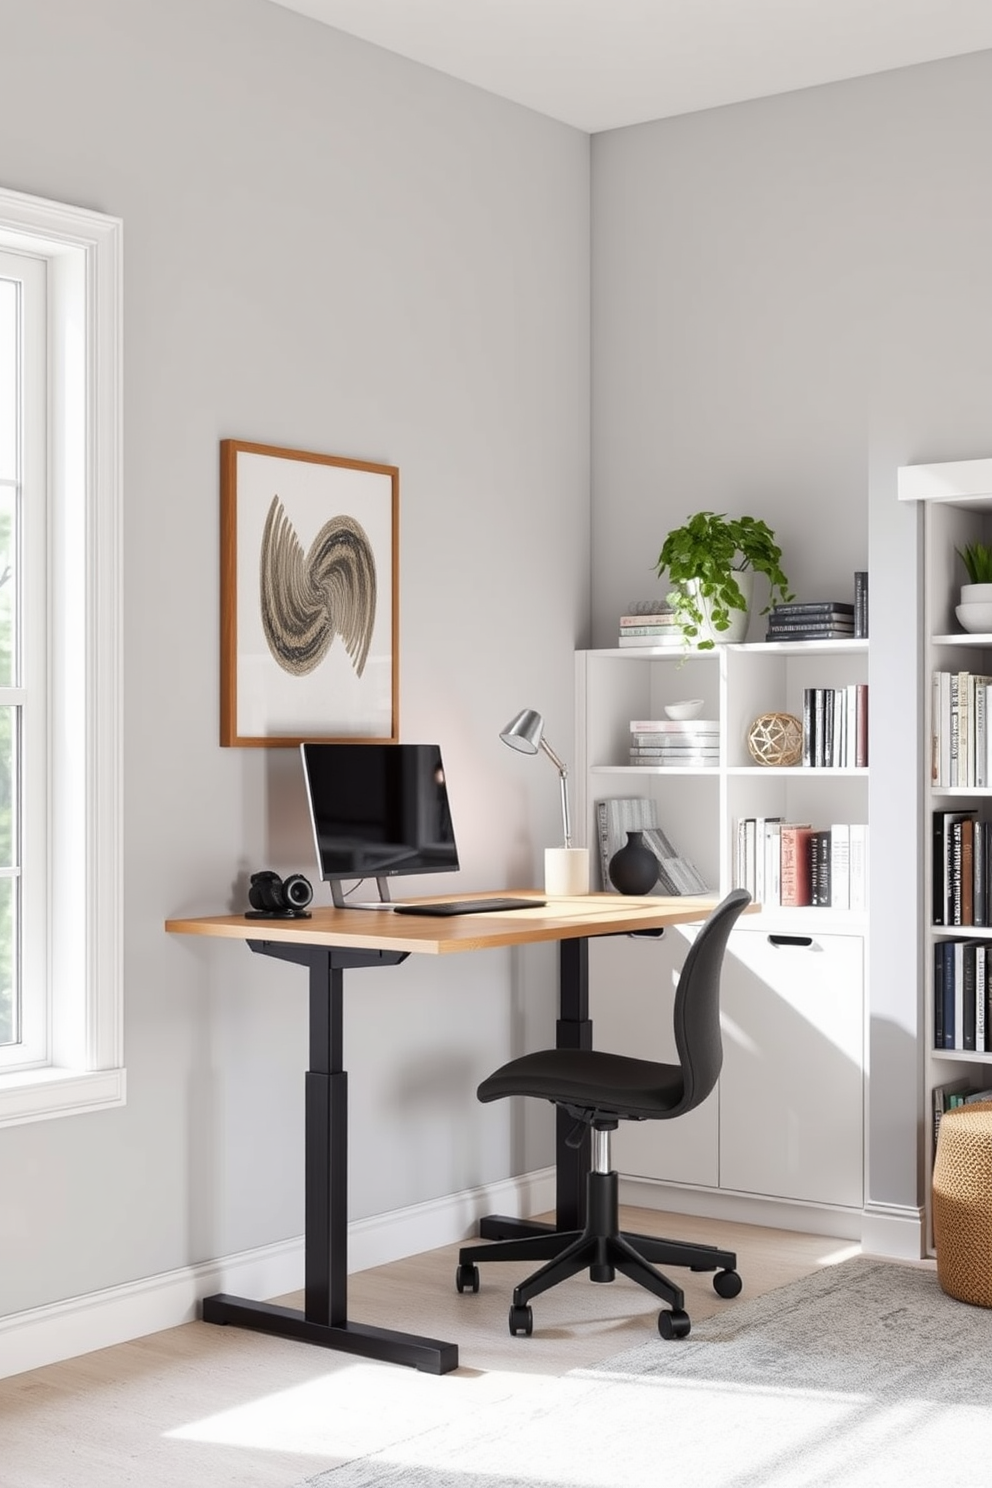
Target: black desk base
<point x="324" y="1319"/>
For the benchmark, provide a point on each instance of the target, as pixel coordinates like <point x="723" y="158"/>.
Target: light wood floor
<point x="200" y="1406"/>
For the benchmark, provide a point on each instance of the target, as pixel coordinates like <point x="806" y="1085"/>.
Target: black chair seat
<point x="636" y="1089"/>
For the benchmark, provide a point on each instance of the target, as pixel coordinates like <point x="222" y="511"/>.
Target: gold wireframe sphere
<point x="776" y="739"/>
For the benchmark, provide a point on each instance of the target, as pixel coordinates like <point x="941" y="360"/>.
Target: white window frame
<point x="84" y="1060"/>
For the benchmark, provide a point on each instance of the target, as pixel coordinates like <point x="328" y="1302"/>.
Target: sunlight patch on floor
<point x="352" y="1410"/>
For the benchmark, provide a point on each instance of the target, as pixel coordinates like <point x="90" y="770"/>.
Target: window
<point x="60" y="595"/>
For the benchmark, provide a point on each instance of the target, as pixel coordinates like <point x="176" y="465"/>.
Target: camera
<point x="275" y="898"/>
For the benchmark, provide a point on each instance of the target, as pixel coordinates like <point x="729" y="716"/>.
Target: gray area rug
<point x="863" y="1375"/>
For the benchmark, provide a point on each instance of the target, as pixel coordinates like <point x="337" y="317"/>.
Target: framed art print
<point x="309" y="589"/>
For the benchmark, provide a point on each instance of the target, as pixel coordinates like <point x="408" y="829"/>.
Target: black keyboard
<point x="468" y="906"/>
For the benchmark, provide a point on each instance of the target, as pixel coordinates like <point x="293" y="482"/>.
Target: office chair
<point x="600" y="1090"/>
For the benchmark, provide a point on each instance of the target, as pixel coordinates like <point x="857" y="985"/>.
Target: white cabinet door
<point x="631" y="992"/>
<point x="791" y="1091"/>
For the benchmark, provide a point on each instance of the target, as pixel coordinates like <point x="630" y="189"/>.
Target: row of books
<point x="823" y="619"/>
<point x="961" y="868"/>
<point x="960" y="736"/>
<point x="949" y="1096"/>
<point x="675" y="743"/>
<point x="794" y="864"/>
<point x="835" y="726"/>
<point x="962" y="995"/>
<point x="618" y="815"/>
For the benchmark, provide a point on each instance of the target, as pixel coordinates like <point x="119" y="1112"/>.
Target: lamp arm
<point x="563" y="776"/>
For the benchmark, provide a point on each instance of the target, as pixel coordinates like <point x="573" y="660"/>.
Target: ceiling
<point x="601" y="64"/>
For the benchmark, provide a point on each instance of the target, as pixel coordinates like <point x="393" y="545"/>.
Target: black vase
<point x="634" y="867"/>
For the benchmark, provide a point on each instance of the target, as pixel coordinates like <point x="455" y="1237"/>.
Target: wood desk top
<point x="373" y="929"/>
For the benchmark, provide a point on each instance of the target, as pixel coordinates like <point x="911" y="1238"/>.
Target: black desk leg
<point x="572" y="1031"/>
<point x="324" y="1320"/>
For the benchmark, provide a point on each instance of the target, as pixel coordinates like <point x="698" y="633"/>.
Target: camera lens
<point x="298" y="891"/>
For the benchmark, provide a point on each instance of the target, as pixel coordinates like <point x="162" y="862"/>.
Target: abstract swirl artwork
<point x="309" y="584"/>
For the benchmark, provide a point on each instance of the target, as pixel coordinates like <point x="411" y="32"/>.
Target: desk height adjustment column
<point x="324" y="1320"/>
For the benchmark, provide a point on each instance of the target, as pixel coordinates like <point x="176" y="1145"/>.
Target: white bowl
<point x="975" y="617"/>
<point x="694" y="706"/>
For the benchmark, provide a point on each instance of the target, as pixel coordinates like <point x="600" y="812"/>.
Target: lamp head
<point x="524" y="732"/>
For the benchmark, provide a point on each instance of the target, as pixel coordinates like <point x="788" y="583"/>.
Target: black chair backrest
<point x="697" y="1003"/>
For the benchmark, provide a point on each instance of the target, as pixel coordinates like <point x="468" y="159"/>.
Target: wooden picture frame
<point x="309" y="589"/>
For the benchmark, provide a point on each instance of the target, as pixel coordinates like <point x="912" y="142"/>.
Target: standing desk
<point x="333" y="941"/>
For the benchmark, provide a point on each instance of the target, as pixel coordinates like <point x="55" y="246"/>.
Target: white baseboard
<point x="63" y="1330"/>
<point x="712" y="1203"/>
<point x="895" y="1231"/>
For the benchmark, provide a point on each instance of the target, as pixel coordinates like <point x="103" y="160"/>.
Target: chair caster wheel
<point x="521" y="1320"/>
<point x="674" y="1324"/>
<point x="467" y="1277"/>
<point x="727" y="1284"/>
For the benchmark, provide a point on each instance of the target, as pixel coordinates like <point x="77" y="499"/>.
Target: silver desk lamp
<point x="566" y="870"/>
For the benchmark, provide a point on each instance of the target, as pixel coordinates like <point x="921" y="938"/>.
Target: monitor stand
<point x="340" y="902"/>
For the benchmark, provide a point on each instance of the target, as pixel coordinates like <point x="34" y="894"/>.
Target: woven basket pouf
<point x="962" y="1203"/>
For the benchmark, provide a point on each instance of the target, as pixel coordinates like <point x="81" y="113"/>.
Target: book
<point x="858" y="865"/>
<point x="861" y="726"/>
<point x="817" y="634"/>
<point x="674" y="725"/>
<point x="674" y="640"/>
<point x="938" y="995"/>
<point x="842" y="623"/>
<point x="796" y="886"/>
<point x="773" y="861"/>
<point x="800" y="608"/>
<point x="676" y="874"/>
<point x="820" y="868"/>
<point x="861" y="603"/>
<point x="645" y="630"/>
<point x="840" y="865"/>
<point x="657" y="617"/>
<point x="808" y="721"/>
<point x="969" y="953"/>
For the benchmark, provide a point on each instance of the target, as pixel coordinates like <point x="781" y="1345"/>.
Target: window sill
<point x="37" y="1095"/>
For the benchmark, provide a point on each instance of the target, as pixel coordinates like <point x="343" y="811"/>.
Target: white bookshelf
<point x="794" y="997"/>
<point x="957" y="509"/>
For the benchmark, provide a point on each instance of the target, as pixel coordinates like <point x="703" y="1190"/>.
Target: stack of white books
<point x="691" y="743"/>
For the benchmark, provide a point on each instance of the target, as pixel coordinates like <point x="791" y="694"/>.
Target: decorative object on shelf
<point x="566" y="869"/>
<point x="689" y="709"/>
<point x="975" y="616"/>
<point x="974" y="613"/>
<point x="711" y="561"/>
<point x="634" y="869"/>
<point x="776" y="739"/>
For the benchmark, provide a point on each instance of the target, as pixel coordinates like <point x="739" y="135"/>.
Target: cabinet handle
<point x="790" y="940"/>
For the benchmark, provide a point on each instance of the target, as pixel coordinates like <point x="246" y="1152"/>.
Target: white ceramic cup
<point x="566" y="871"/>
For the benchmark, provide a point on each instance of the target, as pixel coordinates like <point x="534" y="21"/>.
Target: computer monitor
<point x="378" y="811"/>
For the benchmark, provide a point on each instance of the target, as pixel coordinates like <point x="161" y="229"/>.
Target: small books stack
<point x="649" y="622"/>
<point x="691" y="743"/>
<point x="817" y="620"/>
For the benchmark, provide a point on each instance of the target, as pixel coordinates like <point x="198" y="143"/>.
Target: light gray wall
<point x="328" y="248"/>
<point x="791" y="298"/>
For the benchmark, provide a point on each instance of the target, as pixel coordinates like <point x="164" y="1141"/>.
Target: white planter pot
<point x="739" y="619"/>
<point x="976" y="593"/>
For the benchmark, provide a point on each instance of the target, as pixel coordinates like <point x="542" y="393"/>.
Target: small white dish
<point x="975" y="617"/>
<point x="694" y="706"/>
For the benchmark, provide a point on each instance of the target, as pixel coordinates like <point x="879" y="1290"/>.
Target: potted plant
<point x="711" y="561"/>
<point x="975" y="610"/>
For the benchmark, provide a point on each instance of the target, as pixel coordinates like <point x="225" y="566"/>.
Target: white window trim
<point x="86" y="1071"/>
